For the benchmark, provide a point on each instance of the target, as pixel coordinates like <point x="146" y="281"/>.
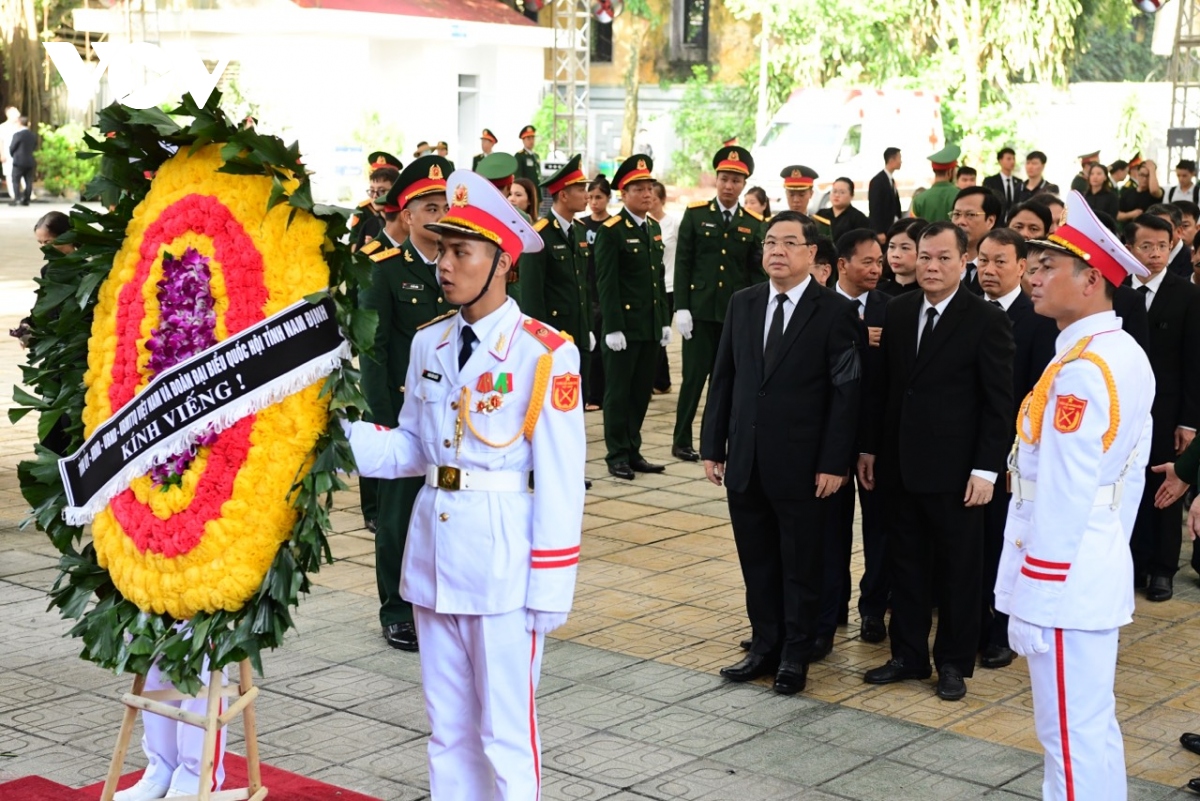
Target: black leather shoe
<point x="745" y="644"/>
<point x="640" y="465"/>
<point x="872" y="629"/>
<point x="621" y="470"/>
<point x="1160" y="589"/>
<point x="997" y="656"/>
<point x="1194" y="785"/>
<point x="401" y="635"/>
<point x="821" y="648"/>
<point x="587" y="484"/>
<point x="951" y="684"/>
<point x="1190" y="741"/>
<point x="752" y="667"/>
<point x="791" y="678"/>
<point x="895" y="670"/>
<point x="685" y="452"/>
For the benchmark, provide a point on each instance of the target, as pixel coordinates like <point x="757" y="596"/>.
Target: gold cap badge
<point x="435" y="172"/>
<point x="460" y="195"/>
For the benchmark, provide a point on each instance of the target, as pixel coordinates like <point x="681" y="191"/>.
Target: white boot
<point x="173" y="793"/>
<point x="144" y="790"/>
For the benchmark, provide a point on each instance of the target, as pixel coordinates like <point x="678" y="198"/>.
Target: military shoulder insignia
<point x="820" y="219"/>
<point x="753" y="214"/>
<point x="438" y="319"/>
<point x="354" y="221"/>
<point x="408" y="257"/>
<point x="564" y="392"/>
<point x="384" y="255"/>
<point x="613" y="220"/>
<point x="697" y="204"/>
<point x="540" y="224"/>
<point x="542" y="333"/>
<point x="365" y="203"/>
<point x="371" y="247"/>
<point x="1068" y="413"/>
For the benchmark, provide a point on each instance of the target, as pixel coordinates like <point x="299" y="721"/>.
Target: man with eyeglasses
<point x="382" y="170"/>
<point x="976" y="211"/>
<point x="787" y="345"/>
<point x="1173" y="309"/>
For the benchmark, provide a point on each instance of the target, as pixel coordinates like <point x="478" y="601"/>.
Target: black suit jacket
<point x="1181" y="265"/>
<point x="794" y="418"/>
<point x="1131" y="308"/>
<point x="948" y="410"/>
<point x="996" y="184"/>
<point x="1174" y="317"/>
<point x="1034" y="337"/>
<point x="24" y="143"/>
<point x="884" y="202"/>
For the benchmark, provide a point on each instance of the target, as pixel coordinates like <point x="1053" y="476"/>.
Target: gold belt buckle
<point x="449" y="478"/>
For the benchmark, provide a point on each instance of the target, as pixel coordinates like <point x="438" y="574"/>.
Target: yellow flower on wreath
<point x="224" y="566"/>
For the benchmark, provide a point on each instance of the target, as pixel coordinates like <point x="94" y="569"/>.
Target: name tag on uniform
<point x="742" y="230"/>
<point x="432" y="376"/>
<point x="583" y="244"/>
<point x="658" y="238"/>
<point x="560" y="247"/>
<point x="709" y="225"/>
<point x="634" y="241"/>
<point x="414" y="287"/>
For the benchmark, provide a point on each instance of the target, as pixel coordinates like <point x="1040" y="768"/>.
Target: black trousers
<point x="1157" y="536"/>
<point x="22" y="184"/>
<point x="662" y="374"/>
<point x="779" y="545"/>
<point x="594" y="387"/>
<point x="935" y="552"/>
<point x="875" y="585"/>
<point x="993" y="625"/>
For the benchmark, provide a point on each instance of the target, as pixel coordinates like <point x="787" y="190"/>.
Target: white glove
<point x="615" y="341"/>
<point x="1025" y="638"/>
<point x="683" y="321"/>
<point x="666" y="337"/>
<point x="346" y="426"/>
<point x="543" y="622"/>
<point x="591" y="341"/>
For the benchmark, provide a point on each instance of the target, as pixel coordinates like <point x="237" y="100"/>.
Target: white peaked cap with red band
<point x="478" y="210"/>
<point x="1081" y="234"/>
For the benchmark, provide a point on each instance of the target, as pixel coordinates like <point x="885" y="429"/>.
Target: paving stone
<point x="884" y="780"/>
<point x="405" y="762"/>
<point x="613" y="760"/>
<point x="67" y="719"/>
<point x="752" y="703"/>
<point x="596" y="708"/>
<point x="712" y="781"/>
<point x="579" y="662"/>
<point x="18" y="690"/>
<point x="967" y="758"/>
<point x="339" y="738"/>
<point x="659" y="682"/>
<point x="362" y="781"/>
<point x="340" y="686"/>
<point x="853" y="730"/>
<point x="14" y="563"/>
<point x="793" y="759"/>
<point x="557" y="786"/>
<point x="687" y="730"/>
<point x="390" y="662"/>
<point x="405" y="709"/>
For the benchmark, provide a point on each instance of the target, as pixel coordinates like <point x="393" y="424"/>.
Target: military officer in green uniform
<point x="487" y="141"/>
<point x="499" y="168"/>
<point x="554" y="283"/>
<point x="1080" y="182"/>
<point x="367" y="220"/>
<point x="719" y="251"/>
<point x="633" y="304"/>
<point x="406" y="294"/>
<point x="798" y="189"/>
<point x="936" y="202"/>
<point x="528" y="164"/>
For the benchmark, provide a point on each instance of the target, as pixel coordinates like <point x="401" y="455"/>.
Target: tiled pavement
<point x="630" y="702"/>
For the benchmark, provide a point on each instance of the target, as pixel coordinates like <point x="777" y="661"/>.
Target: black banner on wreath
<point x="210" y="391"/>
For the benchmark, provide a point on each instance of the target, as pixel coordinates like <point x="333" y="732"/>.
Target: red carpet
<point x="283" y="786"/>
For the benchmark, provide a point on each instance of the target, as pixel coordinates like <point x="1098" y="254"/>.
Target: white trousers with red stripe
<point x="1076" y="716"/>
<point x="172" y="748"/>
<point x="480" y="674"/>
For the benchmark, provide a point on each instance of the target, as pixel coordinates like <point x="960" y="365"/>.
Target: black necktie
<point x="1008" y="190"/>
<point x="927" y="331"/>
<point x="1144" y="289"/>
<point x="775" y="332"/>
<point x="862" y="308"/>
<point x="728" y="217"/>
<point x="996" y="303"/>
<point x="468" y="342"/>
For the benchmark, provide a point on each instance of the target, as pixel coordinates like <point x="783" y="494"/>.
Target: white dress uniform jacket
<point x="1066" y="562"/>
<point x="488" y="552"/>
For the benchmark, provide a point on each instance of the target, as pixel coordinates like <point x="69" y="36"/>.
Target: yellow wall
<point x="730" y="45"/>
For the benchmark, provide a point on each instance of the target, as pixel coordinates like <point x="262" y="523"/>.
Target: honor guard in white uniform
<point x="494" y="422"/>
<point x="1077" y="472"/>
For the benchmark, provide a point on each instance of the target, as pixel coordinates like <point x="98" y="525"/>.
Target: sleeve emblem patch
<point x="564" y="392"/>
<point x="1068" y="413"/>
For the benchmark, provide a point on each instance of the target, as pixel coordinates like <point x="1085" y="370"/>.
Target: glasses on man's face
<point x="1146" y="248"/>
<point x="373" y="192"/>
<point x="965" y="215"/>
<point x="789" y="245"/>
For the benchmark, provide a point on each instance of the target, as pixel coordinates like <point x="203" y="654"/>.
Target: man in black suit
<point x="976" y="211"/>
<point x="22" y="147"/>
<point x="1002" y="259"/>
<point x="1004" y="185"/>
<point x="1179" y="260"/>
<point x="936" y="450"/>
<point x="1173" y="308"/>
<point x="860" y="265"/>
<point x="779" y="431"/>
<point x="882" y="197"/>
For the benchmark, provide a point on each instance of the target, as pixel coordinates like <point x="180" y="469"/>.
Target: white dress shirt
<point x="859" y="300"/>
<point x="789" y="305"/>
<point x="1006" y="300"/>
<point x="1154" y="283"/>
<point x="670" y="237"/>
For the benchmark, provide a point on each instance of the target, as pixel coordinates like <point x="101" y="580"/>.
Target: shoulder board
<point x="697" y="204"/>
<point x="540" y="224"/>
<point x="542" y="333"/>
<point x="613" y="220"/>
<point x="353" y="220"/>
<point x="820" y="219"/>
<point x="384" y="255"/>
<point x="438" y="319"/>
<point x="365" y="203"/>
<point x="371" y="247"/>
<point x="753" y="214"/>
